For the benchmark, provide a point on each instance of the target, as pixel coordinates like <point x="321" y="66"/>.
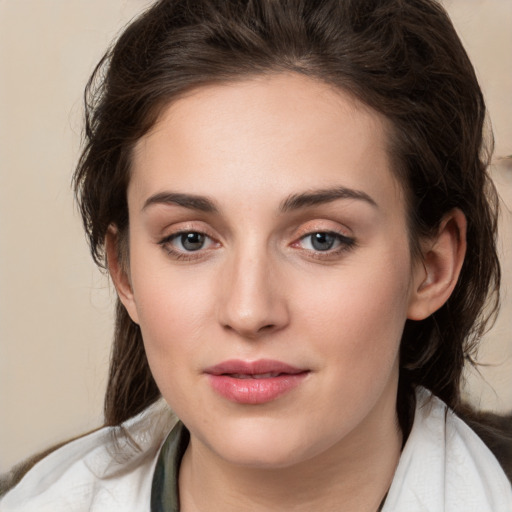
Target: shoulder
<point x="110" y="469"/>
<point x="446" y="466"/>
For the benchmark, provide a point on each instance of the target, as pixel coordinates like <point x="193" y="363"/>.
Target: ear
<point x="436" y="275"/>
<point x="118" y="268"/>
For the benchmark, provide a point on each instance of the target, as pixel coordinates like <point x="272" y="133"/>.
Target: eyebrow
<point x="193" y="202"/>
<point x="292" y="202"/>
<point x="316" y="197"/>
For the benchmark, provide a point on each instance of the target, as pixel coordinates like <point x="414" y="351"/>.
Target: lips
<point x="256" y="382"/>
<point x="255" y="376"/>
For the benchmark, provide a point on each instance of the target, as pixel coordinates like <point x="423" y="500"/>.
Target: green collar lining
<point x="165" y="489"/>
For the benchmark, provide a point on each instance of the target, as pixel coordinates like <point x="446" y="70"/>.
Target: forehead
<point x="268" y="133"/>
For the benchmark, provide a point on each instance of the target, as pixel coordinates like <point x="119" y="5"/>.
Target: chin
<point x="267" y="457"/>
<point x="264" y="444"/>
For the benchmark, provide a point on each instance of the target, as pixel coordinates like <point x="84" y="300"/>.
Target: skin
<point x="258" y="288"/>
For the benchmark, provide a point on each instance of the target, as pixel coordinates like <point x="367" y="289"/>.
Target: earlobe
<point x="118" y="268"/>
<point x="437" y="273"/>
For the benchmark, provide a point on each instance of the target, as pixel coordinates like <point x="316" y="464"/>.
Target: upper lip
<point x="262" y="366"/>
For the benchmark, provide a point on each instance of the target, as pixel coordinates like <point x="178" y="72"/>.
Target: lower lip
<point x="255" y="391"/>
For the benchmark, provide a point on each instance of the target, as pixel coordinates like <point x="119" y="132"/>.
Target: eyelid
<point x="345" y="239"/>
<point x="322" y="226"/>
<point x="177" y="235"/>
<point x="165" y="241"/>
<point x="344" y="246"/>
<point x="188" y="226"/>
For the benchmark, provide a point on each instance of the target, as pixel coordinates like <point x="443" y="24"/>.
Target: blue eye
<point x="323" y="241"/>
<point x="186" y="242"/>
<point x="192" y="241"/>
<point x="188" y="245"/>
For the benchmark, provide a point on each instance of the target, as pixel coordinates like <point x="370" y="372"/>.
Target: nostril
<point x="248" y="331"/>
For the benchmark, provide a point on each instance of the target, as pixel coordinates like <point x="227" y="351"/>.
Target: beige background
<point x="55" y="307"/>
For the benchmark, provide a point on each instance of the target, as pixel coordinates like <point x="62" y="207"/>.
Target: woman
<point x="292" y="202"/>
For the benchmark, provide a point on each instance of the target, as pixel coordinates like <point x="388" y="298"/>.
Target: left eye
<point x="324" y="241"/>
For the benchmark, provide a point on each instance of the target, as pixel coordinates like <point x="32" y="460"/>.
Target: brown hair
<point x="401" y="57"/>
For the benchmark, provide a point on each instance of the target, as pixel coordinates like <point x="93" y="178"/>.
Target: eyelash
<point x="345" y="244"/>
<point x="166" y="242"/>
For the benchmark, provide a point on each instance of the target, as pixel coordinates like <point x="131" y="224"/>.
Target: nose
<point x="253" y="301"/>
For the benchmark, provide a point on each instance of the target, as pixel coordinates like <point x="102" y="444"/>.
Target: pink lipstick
<point x="254" y="382"/>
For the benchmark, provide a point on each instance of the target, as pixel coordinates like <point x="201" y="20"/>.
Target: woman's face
<point x="270" y="270"/>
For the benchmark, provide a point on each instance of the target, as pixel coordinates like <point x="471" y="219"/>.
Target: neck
<point x="355" y="474"/>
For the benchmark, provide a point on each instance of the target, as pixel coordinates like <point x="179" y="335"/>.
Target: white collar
<point x="445" y="467"/>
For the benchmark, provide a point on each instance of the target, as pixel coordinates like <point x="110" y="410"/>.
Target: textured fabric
<point x="110" y="470"/>
<point x="444" y="467"/>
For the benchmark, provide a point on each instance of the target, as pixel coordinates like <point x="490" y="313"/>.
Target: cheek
<point x="358" y="314"/>
<point x="172" y="314"/>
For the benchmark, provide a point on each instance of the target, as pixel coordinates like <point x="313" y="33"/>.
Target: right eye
<point x="192" y="241"/>
<point x="184" y="243"/>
